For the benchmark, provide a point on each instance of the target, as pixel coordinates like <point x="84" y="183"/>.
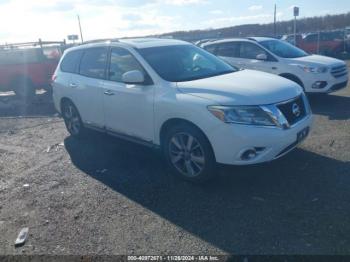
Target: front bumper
<point x="230" y="141"/>
<point x="337" y="87"/>
<point x="333" y="84"/>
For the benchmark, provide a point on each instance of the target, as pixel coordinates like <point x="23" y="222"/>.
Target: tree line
<point x="304" y="25"/>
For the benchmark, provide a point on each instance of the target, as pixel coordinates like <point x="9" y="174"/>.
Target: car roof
<point x="248" y="39"/>
<point x="261" y="39"/>
<point x="138" y="43"/>
<point x="227" y="40"/>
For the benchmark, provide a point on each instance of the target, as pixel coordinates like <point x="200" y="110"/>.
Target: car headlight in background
<point x="247" y="115"/>
<point x="314" y="69"/>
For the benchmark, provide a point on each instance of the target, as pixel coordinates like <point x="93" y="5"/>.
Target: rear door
<point x="230" y="53"/>
<point x="87" y="85"/>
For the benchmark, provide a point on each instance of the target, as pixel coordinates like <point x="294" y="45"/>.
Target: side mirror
<point x="262" y="57"/>
<point x="133" y="77"/>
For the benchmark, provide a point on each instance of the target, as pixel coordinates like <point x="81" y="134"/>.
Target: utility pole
<point x="274" y="22"/>
<point x="296" y="13"/>
<point x="81" y="32"/>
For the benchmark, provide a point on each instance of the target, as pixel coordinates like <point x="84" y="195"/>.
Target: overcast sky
<point x="27" y="20"/>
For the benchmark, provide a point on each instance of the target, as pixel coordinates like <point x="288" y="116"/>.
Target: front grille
<point x="339" y="71"/>
<point x="293" y="110"/>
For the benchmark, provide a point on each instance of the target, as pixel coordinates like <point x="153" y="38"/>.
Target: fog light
<point x="249" y="155"/>
<point x="319" y="85"/>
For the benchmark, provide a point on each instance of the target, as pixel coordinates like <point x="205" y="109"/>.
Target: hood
<point x="318" y="60"/>
<point x="247" y="87"/>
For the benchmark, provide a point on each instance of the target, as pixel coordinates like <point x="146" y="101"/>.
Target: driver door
<point x="128" y="108"/>
<point x="249" y="53"/>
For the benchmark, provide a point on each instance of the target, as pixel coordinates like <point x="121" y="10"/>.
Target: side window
<point x="71" y="61"/>
<point x="228" y="49"/>
<point x="210" y="49"/>
<point x="93" y="63"/>
<point x="250" y="51"/>
<point x="122" y="61"/>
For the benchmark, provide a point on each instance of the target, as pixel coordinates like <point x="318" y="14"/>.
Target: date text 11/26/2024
<point x="173" y="258"/>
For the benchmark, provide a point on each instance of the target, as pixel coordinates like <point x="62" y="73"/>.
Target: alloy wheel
<point x="187" y="154"/>
<point x="72" y="119"/>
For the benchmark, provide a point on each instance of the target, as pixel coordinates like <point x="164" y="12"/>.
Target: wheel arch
<point x="65" y="100"/>
<point x="293" y="78"/>
<point x="177" y="121"/>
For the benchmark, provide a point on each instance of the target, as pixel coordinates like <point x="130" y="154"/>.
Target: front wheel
<point x="72" y="119"/>
<point x="188" y="153"/>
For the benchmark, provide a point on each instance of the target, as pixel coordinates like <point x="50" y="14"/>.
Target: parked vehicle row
<point x="330" y="43"/>
<point x="198" y="109"/>
<point x="314" y="73"/>
<point x="28" y="66"/>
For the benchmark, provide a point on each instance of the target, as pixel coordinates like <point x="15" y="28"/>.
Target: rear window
<point x="93" y="63"/>
<point x="71" y="61"/>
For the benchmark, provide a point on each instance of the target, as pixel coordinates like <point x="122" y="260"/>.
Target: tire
<point x="72" y="119"/>
<point x="188" y="153"/>
<point x="24" y="89"/>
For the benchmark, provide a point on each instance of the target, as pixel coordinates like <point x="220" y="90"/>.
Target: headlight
<point x="247" y="115"/>
<point x="314" y="69"/>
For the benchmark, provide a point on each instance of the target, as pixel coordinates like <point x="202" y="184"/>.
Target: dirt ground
<point x="104" y="196"/>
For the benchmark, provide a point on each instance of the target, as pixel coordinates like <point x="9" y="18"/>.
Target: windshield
<point x="184" y="63"/>
<point x="283" y="49"/>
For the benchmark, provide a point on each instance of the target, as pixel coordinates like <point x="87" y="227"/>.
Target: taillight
<point x="53" y="78"/>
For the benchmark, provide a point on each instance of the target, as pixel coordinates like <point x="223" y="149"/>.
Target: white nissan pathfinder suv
<point x="315" y="73"/>
<point x="177" y="97"/>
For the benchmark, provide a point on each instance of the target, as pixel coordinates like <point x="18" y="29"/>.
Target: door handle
<point x="73" y="85"/>
<point x="109" y="93"/>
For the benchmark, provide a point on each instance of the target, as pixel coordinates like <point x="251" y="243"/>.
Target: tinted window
<point x="180" y="63"/>
<point x="71" y="61"/>
<point x="93" y="63"/>
<point x="250" y="51"/>
<point x="228" y="49"/>
<point x="122" y="61"/>
<point x="211" y="49"/>
<point x="283" y="49"/>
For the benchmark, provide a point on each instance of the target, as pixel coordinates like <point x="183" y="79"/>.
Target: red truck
<point x="331" y="43"/>
<point x="28" y="66"/>
<point x="324" y="43"/>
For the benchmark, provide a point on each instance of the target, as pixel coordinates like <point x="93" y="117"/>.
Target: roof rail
<point x="251" y="39"/>
<point x="101" y="41"/>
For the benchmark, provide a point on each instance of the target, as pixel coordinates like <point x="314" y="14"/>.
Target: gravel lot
<point x="104" y="196"/>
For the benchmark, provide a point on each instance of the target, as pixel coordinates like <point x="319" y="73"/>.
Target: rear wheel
<point x="24" y="89"/>
<point x="188" y="153"/>
<point x="72" y="119"/>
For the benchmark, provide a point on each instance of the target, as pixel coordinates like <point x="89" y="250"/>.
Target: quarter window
<point x="93" y="63"/>
<point x="211" y="49"/>
<point x="122" y="61"/>
<point x="71" y="61"/>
